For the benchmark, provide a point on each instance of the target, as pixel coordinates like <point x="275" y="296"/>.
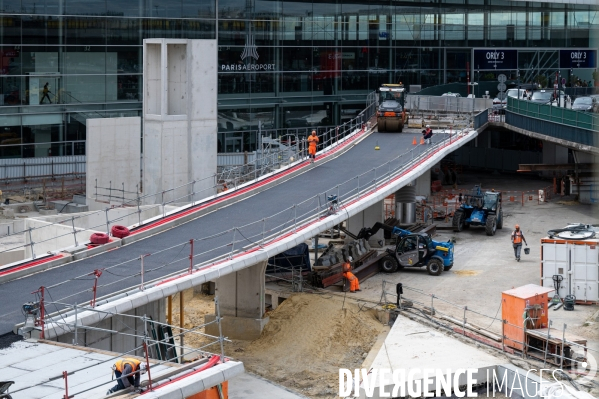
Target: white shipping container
<point x="577" y="261"/>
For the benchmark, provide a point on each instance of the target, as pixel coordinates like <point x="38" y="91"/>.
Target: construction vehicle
<point x="412" y="250"/>
<point x="478" y="209"/>
<point x="391" y="116"/>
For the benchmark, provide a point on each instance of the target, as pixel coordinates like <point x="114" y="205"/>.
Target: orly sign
<point x="495" y="59"/>
<point x="578" y="58"/>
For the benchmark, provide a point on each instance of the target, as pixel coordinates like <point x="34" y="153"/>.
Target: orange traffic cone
<point x="414" y="141"/>
<point x="421" y="140"/>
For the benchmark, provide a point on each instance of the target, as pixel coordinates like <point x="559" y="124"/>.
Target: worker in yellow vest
<point x="517" y="238"/>
<point x="128" y="373"/>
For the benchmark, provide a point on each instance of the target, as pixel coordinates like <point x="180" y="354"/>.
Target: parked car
<point x="312" y="120"/>
<point x="546" y="97"/>
<point x="583" y="104"/>
<point x="514" y="93"/>
<point x="450" y="94"/>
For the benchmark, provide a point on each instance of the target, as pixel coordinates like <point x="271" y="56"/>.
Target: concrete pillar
<point x="180" y="119"/>
<point x="241" y="297"/>
<point x="405" y="204"/>
<point x="553" y="154"/>
<point x="367" y="218"/>
<point x="423" y="184"/>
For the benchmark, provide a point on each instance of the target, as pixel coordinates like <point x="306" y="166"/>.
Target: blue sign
<point x="578" y="58"/>
<point x="495" y="59"/>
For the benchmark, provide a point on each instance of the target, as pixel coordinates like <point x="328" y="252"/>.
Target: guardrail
<point x="481" y="118"/>
<point x="579" y="119"/>
<point x="416" y="103"/>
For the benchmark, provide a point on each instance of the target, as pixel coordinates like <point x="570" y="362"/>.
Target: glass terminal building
<point x="282" y="64"/>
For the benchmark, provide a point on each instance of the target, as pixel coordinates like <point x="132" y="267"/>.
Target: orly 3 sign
<point x="578" y="58"/>
<point x="495" y="59"/>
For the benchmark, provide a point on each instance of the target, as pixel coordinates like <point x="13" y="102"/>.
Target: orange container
<point x="514" y="303"/>
<point x="213" y="393"/>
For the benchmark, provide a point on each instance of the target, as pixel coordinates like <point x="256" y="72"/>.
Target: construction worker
<point x="428" y="134"/>
<point x="128" y="373"/>
<point x="312" y="142"/>
<point x="354" y="284"/>
<point x="517" y="238"/>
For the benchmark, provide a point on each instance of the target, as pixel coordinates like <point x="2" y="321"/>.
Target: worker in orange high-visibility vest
<point x="312" y="142"/>
<point x="128" y="373"/>
<point x="517" y="238"/>
<point x="354" y="284"/>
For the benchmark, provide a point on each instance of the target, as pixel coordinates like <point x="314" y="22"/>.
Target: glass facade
<point x="282" y="64"/>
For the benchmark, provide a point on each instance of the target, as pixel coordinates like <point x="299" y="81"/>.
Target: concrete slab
<point x="413" y="346"/>
<point x="36" y="369"/>
<point x="249" y="386"/>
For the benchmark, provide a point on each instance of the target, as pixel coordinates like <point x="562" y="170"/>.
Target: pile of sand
<point x="308" y="338"/>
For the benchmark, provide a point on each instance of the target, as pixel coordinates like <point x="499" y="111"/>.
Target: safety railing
<point x="481" y="118"/>
<point x="450" y="199"/>
<point x="548" y="112"/>
<point x="36" y="168"/>
<point x="196" y="254"/>
<point x="185" y="194"/>
<point x="463" y="320"/>
<point x="496" y="115"/>
<point x="169" y="349"/>
<point x="416" y="103"/>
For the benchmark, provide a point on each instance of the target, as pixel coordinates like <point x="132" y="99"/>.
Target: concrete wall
<point x="12" y="256"/>
<point x="113" y="153"/>
<point x="119" y="343"/>
<point x="51" y="237"/>
<point x="8" y="227"/>
<point x="242" y="303"/>
<point x="180" y="115"/>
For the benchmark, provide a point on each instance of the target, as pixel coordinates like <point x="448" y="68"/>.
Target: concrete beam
<point x="568" y="166"/>
<point x="539" y="136"/>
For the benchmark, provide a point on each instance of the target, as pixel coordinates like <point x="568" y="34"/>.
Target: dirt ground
<point x="308" y="338"/>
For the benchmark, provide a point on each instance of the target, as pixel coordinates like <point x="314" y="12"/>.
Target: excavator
<point x="412" y="250"/>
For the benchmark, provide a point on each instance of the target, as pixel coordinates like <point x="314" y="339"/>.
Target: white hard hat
<point x="143" y="368"/>
<point x="428" y="125"/>
<point x="350" y="259"/>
